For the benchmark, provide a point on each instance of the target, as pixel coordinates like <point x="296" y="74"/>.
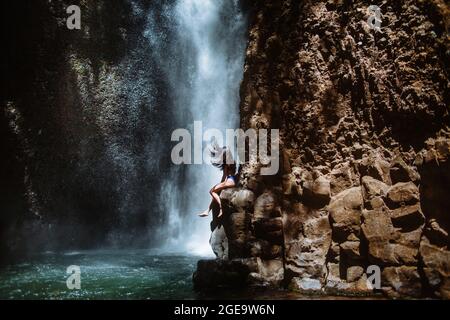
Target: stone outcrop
<point x="365" y="146"/>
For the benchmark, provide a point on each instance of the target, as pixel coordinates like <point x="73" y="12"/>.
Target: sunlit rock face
<point x="363" y="118"/>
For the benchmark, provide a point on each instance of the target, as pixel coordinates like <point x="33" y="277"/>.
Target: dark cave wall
<point x="79" y="153"/>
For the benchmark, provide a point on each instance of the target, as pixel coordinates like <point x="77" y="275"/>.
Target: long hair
<point x="221" y="156"/>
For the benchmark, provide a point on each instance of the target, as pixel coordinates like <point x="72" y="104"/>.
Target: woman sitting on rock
<point x="223" y="159"/>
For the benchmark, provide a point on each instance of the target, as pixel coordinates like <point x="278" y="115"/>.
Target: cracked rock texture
<point x="365" y="147"/>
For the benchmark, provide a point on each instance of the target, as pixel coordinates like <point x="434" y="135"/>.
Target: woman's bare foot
<point x="204" y="213"/>
<point x="220" y="213"/>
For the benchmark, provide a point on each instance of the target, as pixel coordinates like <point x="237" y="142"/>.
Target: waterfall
<point x="200" y="46"/>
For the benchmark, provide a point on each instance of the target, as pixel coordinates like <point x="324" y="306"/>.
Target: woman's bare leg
<point x="214" y="192"/>
<point x="206" y="212"/>
<point x="217" y="198"/>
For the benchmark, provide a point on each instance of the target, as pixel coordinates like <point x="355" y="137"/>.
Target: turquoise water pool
<point x="105" y="274"/>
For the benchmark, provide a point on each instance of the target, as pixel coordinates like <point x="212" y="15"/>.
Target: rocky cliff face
<point x="365" y="147"/>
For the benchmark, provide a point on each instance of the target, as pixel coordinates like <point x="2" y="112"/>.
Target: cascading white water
<point x="204" y="71"/>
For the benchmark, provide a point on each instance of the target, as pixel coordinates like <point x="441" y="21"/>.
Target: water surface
<point x="105" y="274"/>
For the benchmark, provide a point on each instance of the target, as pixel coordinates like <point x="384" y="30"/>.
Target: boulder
<point x="219" y="243"/>
<point x="410" y="239"/>
<point x="293" y="221"/>
<point x="265" y="249"/>
<point x="437" y="267"/>
<point x="317" y="193"/>
<point x="306" y="285"/>
<point x="321" y="189"/>
<point x="243" y="199"/>
<point x="270" y="229"/>
<point x="357" y="283"/>
<point x="291" y="184"/>
<point x="402" y="193"/>
<point x="354" y="273"/>
<point x="381" y="236"/>
<point x="211" y="274"/>
<point x="373" y="187"/>
<point x="264" y="206"/>
<point x="333" y="272"/>
<point x="306" y="255"/>
<point x="407" y="217"/>
<point x="345" y="212"/>
<point x="334" y="252"/>
<point x="377" y="225"/>
<point x="272" y="271"/>
<point x="375" y="203"/>
<point x="401" y="281"/>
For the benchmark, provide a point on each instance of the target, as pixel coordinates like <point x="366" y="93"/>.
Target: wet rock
<point x="236" y="226"/>
<point x="219" y="243"/>
<point x="355" y="285"/>
<point x="265" y="249"/>
<point x="345" y="212"/>
<point x="306" y="285"/>
<point x="268" y="273"/>
<point x="264" y="206"/>
<point x="401" y="281"/>
<point x="342" y="177"/>
<point x="306" y="253"/>
<point x="223" y="273"/>
<point x="317" y="193"/>
<point x="326" y="80"/>
<point x="354" y="273"/>
<point x="376" y="167"/>
<point x="269" y="229"/>
<point x="243" y="199"/>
